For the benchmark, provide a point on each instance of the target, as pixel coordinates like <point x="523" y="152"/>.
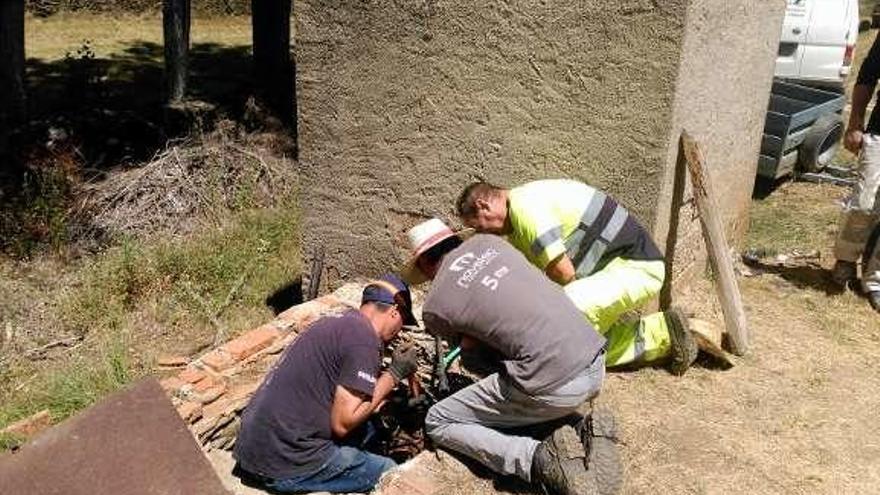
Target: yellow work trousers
<point x="604" y="297"/>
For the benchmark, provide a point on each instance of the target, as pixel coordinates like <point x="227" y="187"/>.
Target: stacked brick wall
<point x="211" y="391"/>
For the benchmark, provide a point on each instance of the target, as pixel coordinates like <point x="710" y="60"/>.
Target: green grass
<point x="76" y="386"/>
<point x="51" y="38"/>
<point x="138" y="298"/>
<point x="180" y="286"/>
<point x="256" y="251"/>
<point x="792" y="218"/>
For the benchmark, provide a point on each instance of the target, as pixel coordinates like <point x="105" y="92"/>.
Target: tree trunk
<point x="272" y="58"/>
<point x="176" y="24"/>
<point x="12" y="96"/>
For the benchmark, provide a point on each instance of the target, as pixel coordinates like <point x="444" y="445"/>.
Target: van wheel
<point x="821" y="143"/>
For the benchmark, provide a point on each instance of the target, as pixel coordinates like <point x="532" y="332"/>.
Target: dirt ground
<point x="798" y="414"/>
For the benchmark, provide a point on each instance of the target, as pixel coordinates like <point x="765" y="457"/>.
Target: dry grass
<point x="204" y="274"/>
<point x="797" y="415"/>
<point x="795" y="216"/>
<point x="146" y="295"/>
<point x="191" y="182"/>
<point x="52" y="37"/>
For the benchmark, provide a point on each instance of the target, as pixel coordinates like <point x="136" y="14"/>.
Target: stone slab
<point x="132" y="442"/>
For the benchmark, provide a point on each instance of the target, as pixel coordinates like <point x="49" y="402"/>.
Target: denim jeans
<point x="349" y="470"/>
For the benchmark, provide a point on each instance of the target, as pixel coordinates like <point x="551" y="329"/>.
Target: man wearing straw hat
<point x="553" y="362"/>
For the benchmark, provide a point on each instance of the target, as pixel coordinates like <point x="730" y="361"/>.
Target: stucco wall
<point x="721" y="98"/>
<point x="402" y="104"/>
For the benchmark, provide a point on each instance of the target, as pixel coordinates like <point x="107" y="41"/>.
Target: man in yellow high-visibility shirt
<point x="587" y="242"/>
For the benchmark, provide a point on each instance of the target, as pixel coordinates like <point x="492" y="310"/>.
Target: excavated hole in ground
<point x="398" y="431"/>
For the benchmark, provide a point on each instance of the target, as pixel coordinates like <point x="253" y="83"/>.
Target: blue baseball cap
<point x="390" y="289"/>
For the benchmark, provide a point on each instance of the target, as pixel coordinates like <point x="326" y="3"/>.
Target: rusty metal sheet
<point x="132" y="442"/>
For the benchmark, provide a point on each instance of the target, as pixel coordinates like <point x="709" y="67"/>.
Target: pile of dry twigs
<point x="191" y="181"/>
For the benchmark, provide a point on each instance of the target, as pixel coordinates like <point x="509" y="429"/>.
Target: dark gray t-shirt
<point x="487" y="290"/>
<point x="285" y="430"/>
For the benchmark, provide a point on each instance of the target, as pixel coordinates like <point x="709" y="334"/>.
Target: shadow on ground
<point x="112" y="108"/>
<point x="88" y="115"/>
<point x="764" y="187"/>
<point x="802" y="276"/>
<point x="286" y="296"/>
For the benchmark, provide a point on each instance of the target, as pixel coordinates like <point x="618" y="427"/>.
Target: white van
<point x="817" y="43"/>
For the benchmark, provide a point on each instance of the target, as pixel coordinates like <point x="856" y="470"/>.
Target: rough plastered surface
<point x="721" y="98"/>
<point x="402" y="104"/>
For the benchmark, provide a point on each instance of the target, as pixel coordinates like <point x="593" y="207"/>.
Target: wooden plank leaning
<point x="716" y="243"/>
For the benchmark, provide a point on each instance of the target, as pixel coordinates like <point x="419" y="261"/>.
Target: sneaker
<point x="598" y="434"/>
<point x="684" y="346"/>
<point x="558" y="464"/>
<point x="874" y="299"/>
<point x="843" y="272"/>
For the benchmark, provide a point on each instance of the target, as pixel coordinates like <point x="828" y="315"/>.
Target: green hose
<point x="451" y="356"/>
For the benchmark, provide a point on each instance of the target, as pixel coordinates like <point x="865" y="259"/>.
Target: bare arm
<point x="468" y="342"/>
<point x="861" y="96"/>
<point x="560" y="270"/>
<point x="350" y="409"/>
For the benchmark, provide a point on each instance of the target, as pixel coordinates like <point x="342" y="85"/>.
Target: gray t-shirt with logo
<point x="487" y="290"/>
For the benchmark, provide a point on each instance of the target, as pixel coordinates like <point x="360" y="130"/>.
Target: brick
<point x="30" y="425"/>
<point x="190" y="411"/>
<point x="168" y="361"/>
<point x="172" y="384"/>
<point x="204" y="384"/>
<point x="218" y="360"/>
<point x="233" y="401"/>
<point x="208" y="395"/>
<point x="192" y="375"/>
<point x="251" y="342"/>
<point x="309" y="311"/>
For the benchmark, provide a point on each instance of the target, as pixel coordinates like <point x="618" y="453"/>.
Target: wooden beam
<point x="716" y="244"/>
<point x="273" y="60"/>
<point x="176" y="28"/>
<point x="12" y="94"/>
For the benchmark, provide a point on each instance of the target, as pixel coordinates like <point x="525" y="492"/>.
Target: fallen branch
<point x="39" y="352"/>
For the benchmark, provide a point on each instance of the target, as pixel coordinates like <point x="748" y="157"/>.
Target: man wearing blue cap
<point x="326" y="385"/>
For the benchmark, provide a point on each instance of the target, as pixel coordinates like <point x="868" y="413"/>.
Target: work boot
<point x="598" y="433"/>
<point x="874" y="299"/>
<point x="843" y="272"/>
<point x="558" y="465"/>
<point x="684" y="346"/>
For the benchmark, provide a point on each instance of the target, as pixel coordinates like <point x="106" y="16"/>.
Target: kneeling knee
<point x="433" y="422"/>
